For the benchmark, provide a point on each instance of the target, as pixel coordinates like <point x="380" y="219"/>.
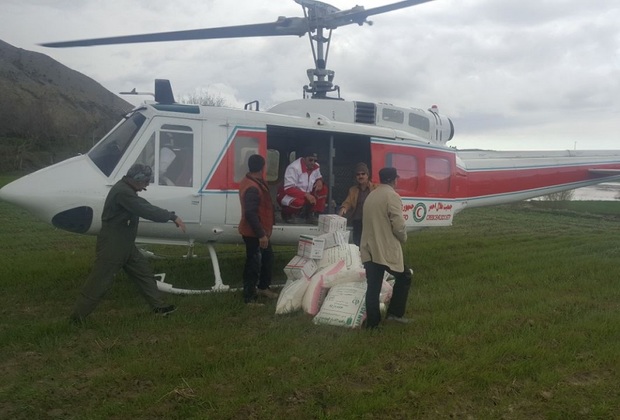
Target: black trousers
<point x="357" y="231"/>
<point x="258" y="267"/>
<point x="398" y="303"/>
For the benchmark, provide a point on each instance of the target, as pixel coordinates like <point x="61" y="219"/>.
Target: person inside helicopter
<point x="175" y="160"/>
<point x="166" y="157"/>
<point x="353" y="205"/>
<point x="303" y="193"/>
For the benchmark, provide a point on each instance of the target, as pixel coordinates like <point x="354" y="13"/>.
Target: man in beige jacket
<point x="353" y="205"/>
<point x="382" y="235"/>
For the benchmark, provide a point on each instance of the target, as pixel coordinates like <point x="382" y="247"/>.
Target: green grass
<point x="516" y="316"/>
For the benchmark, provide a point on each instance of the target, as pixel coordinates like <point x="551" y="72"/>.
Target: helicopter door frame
<point x="338" y="154"/>
<point x="242" y="143"/>
<point x="178" y="195"/>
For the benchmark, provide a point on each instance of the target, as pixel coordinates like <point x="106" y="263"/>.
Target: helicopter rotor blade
<point x="358" y="14"/>
<point x="281" y="27"/>
<point x="393" y="6"/>
<point x="331" y="18"/>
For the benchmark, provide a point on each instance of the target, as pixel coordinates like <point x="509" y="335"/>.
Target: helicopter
<point x="212" y="146"/>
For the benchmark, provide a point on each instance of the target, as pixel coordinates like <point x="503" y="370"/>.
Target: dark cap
<point x="387" y="175"/>
<point x="308" y="152"/>
<point x="140" y="172"/>
<point x="361" y="167"/>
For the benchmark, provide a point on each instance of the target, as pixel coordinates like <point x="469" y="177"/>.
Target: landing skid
<point x="219" y="284"/>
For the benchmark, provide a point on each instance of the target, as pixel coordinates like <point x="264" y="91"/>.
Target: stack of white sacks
<point x="326" y="278"/>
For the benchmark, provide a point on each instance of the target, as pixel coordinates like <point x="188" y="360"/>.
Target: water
<point x="600" y="192"/>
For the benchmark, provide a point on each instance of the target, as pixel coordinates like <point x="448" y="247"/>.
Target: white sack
<point x="344" y="276"/>
<point x="344" y="306"/>
<point x="291" y="295"/>
<point x="316" y="291"/>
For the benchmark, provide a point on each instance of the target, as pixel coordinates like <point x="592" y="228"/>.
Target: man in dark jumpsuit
<point x="116" y="247"/>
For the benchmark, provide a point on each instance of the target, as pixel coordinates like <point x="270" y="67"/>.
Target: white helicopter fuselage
<point x="211" y="146"/>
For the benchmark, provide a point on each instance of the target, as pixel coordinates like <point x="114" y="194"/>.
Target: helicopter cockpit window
<point x="407" y="168"/>
<point x="147" y="156"/>
<point x="244" y="148"/>
<point x="393" y="115"/>
<point x="419" y="121"/>
<point x="107" y="153"/>
<point x="175" y="164"/>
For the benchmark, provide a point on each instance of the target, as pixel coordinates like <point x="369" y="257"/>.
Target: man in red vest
<point x="257" y="219"/>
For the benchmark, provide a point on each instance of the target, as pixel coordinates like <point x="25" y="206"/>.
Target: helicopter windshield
<point x="108" y="152"/>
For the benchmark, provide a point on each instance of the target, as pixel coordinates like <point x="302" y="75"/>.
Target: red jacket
<point x="257" y="215"/>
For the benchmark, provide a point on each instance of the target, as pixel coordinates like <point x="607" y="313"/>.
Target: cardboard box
<point x="334" y="255"/>
<point x="348" y="253"/>
<point x="310" y="246"/>
<point x="331" y="223"/>
<point x="299" y="268"/>
<point x="336" y="238"/>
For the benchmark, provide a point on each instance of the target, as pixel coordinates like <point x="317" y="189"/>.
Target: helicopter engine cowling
<point x="426" y="124"/>
<point x="443" y="126"/>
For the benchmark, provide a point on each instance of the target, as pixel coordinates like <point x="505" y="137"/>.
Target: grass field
<point x="516" y="315"/>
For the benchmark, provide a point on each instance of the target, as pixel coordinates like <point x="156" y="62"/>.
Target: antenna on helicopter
<point x="163" y="92"/>
<point x="134" y="92"/>
<point x="318" y="18"/>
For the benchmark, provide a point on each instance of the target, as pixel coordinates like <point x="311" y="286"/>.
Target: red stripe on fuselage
<point x="493" y="182"/>
<point x="223" y="175"/>
<point x="501" y="174"/>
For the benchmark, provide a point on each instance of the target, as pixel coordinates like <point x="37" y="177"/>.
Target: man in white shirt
<point x="303" y="192"/>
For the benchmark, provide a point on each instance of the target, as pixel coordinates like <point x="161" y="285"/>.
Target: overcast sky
<point x="511" y="74"/>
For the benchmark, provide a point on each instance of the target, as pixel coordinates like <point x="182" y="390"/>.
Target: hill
<point x="49" y="111"/>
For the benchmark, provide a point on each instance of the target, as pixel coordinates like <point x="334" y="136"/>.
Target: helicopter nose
<point x="63" y="194"/>
<point x="76" y="219"/>
<point x="19" y="193"/>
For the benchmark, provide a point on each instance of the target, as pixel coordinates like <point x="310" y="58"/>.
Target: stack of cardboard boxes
<point x="326" y="278"/>
<point x="311" y="249"/>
